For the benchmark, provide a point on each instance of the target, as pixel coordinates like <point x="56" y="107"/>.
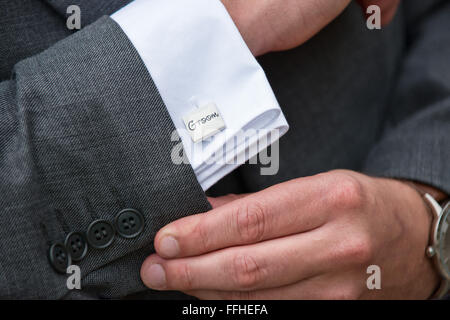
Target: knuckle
<point x="250" y="222"/>
<point x="183" y="277"/>
<point x="246" y="272"/>
<point x="239" y="295"/>
<point x="344" y="293"/>
<point x="359" y="250"/>
<point x="203" y="233"/>
<point x="347" y="193"/>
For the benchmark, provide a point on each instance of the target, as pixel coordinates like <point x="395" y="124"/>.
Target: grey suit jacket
<point x="84" y="132"/>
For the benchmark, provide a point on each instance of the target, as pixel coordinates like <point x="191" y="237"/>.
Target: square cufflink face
<point x="204" y="122"/>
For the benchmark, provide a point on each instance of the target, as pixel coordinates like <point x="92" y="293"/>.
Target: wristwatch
<point x="439" y="245"/>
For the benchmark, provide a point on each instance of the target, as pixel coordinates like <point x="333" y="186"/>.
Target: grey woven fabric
<point x="84" y="132"/>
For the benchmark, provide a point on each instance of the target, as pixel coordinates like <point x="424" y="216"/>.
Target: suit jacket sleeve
<point x="416" y="140"/>
<point x="83" y="135"/>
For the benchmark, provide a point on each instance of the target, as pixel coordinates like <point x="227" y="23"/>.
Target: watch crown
<point x="430" y="252"/>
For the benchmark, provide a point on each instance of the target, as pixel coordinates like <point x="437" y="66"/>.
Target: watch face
<point x="444" y="240"/>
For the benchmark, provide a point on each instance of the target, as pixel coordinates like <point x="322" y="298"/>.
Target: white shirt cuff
<point x="196" y="56"/>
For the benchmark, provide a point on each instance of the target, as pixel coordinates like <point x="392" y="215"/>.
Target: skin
<point x="308" y="238"/>
<point x="268" y="26"/>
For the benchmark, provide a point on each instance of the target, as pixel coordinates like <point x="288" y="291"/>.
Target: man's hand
<point x="274" y="25"/>
<point x="309" y="238"/>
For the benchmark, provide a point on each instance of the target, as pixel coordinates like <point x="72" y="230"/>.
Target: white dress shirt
<point x="197" y="57"/>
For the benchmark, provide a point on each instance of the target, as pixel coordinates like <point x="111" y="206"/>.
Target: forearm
<point x="79" y="127"/>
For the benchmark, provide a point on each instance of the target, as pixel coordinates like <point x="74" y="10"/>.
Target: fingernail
<point x="168" y="247"/>
<point x="155" y="277"/>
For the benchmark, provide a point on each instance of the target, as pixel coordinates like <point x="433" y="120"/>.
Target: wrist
<point x="247" y="17"/>
<point x="422" y="191"/>
<point x="437" y="194"/>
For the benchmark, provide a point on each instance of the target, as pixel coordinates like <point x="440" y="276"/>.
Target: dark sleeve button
<point x="76" y="245"/>
<point x="100" y="234"/>
<point x="129" y="223"/>
<point x="59" y="257"/>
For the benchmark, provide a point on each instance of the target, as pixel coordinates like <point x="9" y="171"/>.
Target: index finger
<point x="281" y="210"/>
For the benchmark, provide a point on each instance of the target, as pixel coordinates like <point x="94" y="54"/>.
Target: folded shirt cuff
<point x="196" y="56"/>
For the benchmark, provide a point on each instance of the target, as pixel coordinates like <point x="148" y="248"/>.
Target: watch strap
<point x="437" y="209"/>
